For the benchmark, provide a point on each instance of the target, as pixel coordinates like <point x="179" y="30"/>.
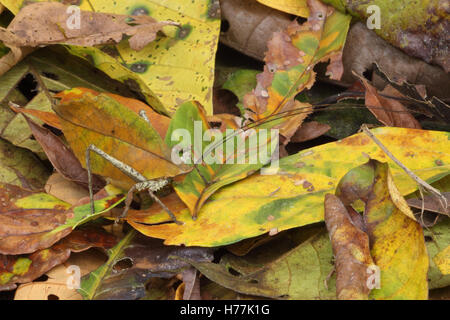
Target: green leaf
<point x="299" y="274"/>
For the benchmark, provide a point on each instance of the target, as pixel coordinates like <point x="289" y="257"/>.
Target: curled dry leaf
<point x="26" y="268"/>
<point x="351" y="251"/>
<point x="388" y="111"/>
<point x="250" y="26"/>
<point x="310" y="130"/>
<point x="46" y="23"/>
<point x="364" y="47"/>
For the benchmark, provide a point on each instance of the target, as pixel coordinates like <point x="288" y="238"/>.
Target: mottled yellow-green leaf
<point x="294" y="196"/>
<point x="290" y="60"/>
<point x="299" y="274"/>
<point x="175" y="68"/>
<point x="397" y="243"/>
<point x="21" y="167"/>
<point x="438" y="243"/>
<point x="197" y="186"/>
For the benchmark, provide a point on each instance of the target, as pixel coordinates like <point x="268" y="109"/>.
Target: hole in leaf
<point x="123" y="264"/>
<point x="52" y="297"/>
<point x="234" y="272"/>
<point x="225" y="26"/>
<point x="368" y="74"/>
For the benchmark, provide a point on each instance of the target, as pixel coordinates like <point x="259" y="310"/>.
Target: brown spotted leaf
<point x="31" y="221"/>
<point x="397" y="244"/>
<point x="26" y="268"/>
<point x="351" y="251"/>
<point x="46" y="23"/>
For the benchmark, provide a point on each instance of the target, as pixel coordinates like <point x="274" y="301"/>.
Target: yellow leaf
<point x="296" y="7"/>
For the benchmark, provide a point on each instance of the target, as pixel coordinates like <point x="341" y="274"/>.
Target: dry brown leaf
<point x="363" y="48"/>
<point x="46" y="23"/>
<point x="249" y="26"/>
<point x="64" y="189"/>
<point x="55" y="287"/>
<point x="351" y="251"/>
<point x="388" y="111"/>
<point x="310" y="130"/>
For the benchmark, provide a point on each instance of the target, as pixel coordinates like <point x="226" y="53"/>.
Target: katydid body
<point x="142" y="183"/>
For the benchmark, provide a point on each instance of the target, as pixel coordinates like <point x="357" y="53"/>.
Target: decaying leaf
<point x="33" y="221"/>
<point x="23" y="269"/>
<point x="290" y="60"/>
<point x="21" y="167"/>
<point x="351" y="251"/>
<point x="438" y="242"/>
<point x="173" y="69"/>
<point x="131" y="264"/>
<point x="294" y="195"/>
<point x="47" y="23"/>
<point x="55" y="287"/>
<point x="310" y="130"/>
<point x="363" y="48"/>
<point x="397" y="243"/>
<point x="250" y="26"/>
<point x="298" y="274"/>
<point x="388" y="111"/>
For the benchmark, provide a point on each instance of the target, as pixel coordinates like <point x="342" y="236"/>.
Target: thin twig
<point x="425" y="185"/>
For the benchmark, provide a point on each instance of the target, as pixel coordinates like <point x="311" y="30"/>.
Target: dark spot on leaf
<point x="111" y="51"/>
<point x="307" y="184"/>
<point x="184" y="31"/>
<point x="214" y="9"/>
<point x="139" y="67"/>
<point x="439" y="162"/>
<point x="140" y="11"/>
<point x="234" y="272"/>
